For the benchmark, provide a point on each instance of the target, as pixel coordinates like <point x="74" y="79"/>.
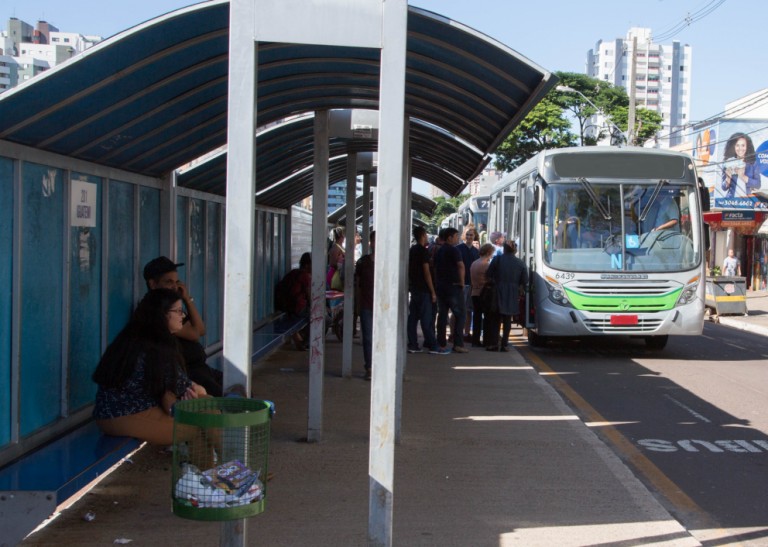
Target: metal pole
<point x="319" y="260"/>
<point x="632" y="94"/>
<point x="349" y="266"/>
<point x="240" y="221"/>
<point x="387" y="318"/>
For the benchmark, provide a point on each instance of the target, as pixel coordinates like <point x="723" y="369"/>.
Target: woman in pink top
<point x="477" y="275"/>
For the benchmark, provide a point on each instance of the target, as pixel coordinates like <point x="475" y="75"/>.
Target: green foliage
<point x="647" y="123"/>
<point x="445" y="206"/>
<point x="563" y="119"/>
<point x="543" y="128"/>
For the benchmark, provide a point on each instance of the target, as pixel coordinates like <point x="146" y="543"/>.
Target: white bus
<point x="613" y="240"/>
<point x="474" y="210"/>
<point x="450" y="221"/>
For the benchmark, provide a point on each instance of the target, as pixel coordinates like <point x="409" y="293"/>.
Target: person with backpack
<point x="293" y="296"/>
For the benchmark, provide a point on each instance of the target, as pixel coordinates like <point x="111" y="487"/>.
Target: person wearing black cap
<point x="161" y="273"/>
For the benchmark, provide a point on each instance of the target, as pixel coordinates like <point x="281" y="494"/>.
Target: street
<point x="691" y="421"/>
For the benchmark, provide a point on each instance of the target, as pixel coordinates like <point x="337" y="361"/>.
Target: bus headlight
<point x="557" y="293"/>
<point x="688" y="293"/>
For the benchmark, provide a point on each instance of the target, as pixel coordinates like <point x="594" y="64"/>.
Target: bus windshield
<point x="631" y="227"/>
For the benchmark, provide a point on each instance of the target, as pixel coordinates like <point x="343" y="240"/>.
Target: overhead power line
<point x="688" y="20"/>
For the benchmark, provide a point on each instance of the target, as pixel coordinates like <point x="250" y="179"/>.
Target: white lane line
<point x="688" y="409"/>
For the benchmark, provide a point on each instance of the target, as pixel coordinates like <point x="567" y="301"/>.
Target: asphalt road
<point x="691" y="420"/>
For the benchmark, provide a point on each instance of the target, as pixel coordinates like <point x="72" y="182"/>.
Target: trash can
<point x="727" y="295"/>
<point x="220" y="449"/>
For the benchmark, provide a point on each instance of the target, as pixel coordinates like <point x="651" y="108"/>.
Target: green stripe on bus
<point x="625" y="303"/>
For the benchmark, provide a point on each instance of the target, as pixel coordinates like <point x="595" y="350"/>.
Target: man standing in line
<point x="423" y="295"/>
<point x="433" y="248"/>
<point x="497" y="239"/>
<point x="161" y="273"/>
<point x="364" y="273"/>
<point x="449" y="270"/>
<point x="469" y="254"/>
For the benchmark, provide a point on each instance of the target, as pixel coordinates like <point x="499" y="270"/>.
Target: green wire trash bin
<point x="220" y="449"/>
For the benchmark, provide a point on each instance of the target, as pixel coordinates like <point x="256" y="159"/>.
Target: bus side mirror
<point x="706" y="237"/>
<point x="704" y="193"/>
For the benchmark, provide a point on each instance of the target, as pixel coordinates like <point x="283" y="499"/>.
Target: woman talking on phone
<point x="141" y="374"/>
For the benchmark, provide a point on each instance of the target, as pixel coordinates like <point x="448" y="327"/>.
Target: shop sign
<point x="738" y="218"/>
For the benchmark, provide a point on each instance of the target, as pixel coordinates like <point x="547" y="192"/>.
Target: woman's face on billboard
<point x="740" y="147"/>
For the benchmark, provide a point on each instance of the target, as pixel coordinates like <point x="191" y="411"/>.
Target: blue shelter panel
<point x="121" y="269"/>
<point x="149" y="228"/>
<point x="6" y="289"/>
<point x="271" y="252"/>
<point x="42" y="200"/>
<point x="258" y="267"/>
<point x="213" y="275"/>
<point x="85" y="299"/>
<point x="196" y="259"/>
<point x="182" y="235"/>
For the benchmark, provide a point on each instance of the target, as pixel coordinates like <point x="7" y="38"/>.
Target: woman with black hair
<point x="141" y="374"/>
<point x="741" y="173"/>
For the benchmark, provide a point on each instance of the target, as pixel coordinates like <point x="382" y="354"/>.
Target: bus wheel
<point x="536" y="341"/>
<point x="656" y="342"/>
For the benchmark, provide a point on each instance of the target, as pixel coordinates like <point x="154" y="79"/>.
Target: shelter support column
<point x="407" y="222"/>
<point x="387" y="319"/>
<point x="349" y="266"/>
<point x="240" y="218"/>
<point x="366" y="233"/>
<point x="319" y="266"/>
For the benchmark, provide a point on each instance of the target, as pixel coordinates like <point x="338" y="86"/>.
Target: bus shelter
<point x="253" y="86"/>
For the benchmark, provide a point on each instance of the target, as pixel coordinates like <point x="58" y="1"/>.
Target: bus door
<point x="528" y="211"/>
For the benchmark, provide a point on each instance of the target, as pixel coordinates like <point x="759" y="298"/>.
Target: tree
<point x="543" y="128"/>
<point x="647" y="123"/>
<point x="551" y="122"/>
<point x="446" y="206"/>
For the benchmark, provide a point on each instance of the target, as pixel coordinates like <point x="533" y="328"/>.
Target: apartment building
<point x="26" y="51"/>
<point x="660" y="74"/>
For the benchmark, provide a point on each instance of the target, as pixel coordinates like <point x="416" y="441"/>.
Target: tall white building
<point x="661" y="76"/>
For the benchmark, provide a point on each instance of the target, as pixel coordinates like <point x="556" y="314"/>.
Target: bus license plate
<point x="623" y="320"/>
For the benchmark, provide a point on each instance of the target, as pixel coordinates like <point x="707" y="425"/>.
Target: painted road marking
<point x="700" y="519"/>
<point x="688" y="409"/>
<point x="753" y="446"/>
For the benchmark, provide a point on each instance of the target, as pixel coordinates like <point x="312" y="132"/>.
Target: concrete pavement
<point x="490" y="456"/>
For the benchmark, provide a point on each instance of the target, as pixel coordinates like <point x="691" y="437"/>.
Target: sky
<point x="728" y="44"/>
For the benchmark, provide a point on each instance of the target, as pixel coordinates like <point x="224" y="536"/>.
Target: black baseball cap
<point x="159" y="266"/>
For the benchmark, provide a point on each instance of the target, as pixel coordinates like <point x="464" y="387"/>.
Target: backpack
<point x="283" y="295"/>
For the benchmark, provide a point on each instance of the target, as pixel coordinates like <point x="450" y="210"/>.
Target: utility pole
<point x="632" y="78"/>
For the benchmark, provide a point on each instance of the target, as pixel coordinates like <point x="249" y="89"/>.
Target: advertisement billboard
<point x="733" y="161"/>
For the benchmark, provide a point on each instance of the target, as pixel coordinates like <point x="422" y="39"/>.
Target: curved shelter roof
<point x="154" y="98"/>
<point x="419" y="203"/>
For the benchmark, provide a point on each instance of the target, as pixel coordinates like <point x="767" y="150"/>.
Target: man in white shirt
<point x="731" y="265"/>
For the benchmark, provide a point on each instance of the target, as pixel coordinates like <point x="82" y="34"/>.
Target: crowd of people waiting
<point x="476" y="289"/>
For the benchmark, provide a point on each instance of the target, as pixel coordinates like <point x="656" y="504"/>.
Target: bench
<point x="34" y="485"/>
<point x="272" y="334"/>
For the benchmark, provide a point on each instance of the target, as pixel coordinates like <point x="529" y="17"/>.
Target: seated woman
<point x="141" y="374"/>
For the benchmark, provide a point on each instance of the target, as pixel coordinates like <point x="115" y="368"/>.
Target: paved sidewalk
<point x="490" y="456"/>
